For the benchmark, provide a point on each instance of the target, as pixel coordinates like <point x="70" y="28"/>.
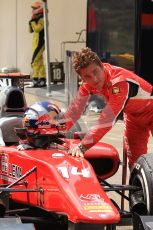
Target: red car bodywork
<point x="68" y="185"/>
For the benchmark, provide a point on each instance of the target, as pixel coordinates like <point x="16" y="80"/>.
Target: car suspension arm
<point x="2" y="190"/>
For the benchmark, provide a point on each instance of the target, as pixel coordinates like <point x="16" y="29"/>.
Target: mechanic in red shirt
<point x="124" y="93"/>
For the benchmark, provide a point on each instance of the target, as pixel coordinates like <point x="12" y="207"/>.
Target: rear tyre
<point x="141" y="201"/>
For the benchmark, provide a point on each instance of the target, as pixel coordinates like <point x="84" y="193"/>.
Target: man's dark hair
<point x="84" y="58"/>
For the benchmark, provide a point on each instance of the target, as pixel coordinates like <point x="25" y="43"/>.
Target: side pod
<point x="104" y="158"/>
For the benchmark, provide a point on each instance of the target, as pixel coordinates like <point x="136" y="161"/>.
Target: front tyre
<point x="141" y="201"/>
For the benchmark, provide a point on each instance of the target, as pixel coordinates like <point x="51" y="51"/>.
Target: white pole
<point x="48" y="71"/>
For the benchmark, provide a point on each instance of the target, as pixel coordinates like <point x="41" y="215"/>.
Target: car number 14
<point x="73" y="171"/>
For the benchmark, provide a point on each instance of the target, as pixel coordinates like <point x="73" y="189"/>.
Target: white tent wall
<point x="8" y="29"/>
<point x="66" y="17"/>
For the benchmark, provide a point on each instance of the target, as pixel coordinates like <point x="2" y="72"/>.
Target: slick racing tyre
<point x="141" y="200"/>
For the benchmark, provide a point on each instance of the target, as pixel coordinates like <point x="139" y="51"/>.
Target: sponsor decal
<point x="91" y="197"/>
<point x="137" y="166"/>
<point x="116" y="90"/>
<point x="94" y="203"/>
<point x="56" y="155"/>
<point x="9" y="170"/>
<point x="98" y="208"/>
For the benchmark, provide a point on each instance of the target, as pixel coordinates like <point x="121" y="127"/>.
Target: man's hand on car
<point x="77" y="151"/>
<point x="24" y="147"/>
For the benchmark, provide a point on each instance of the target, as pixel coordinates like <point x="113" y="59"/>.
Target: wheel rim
<point x="138" y="198"/>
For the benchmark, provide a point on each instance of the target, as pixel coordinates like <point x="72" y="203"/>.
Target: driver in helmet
<point x="41" y="114"/>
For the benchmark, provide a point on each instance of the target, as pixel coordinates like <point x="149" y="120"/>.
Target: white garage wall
<point x="7" y="32"/>
<point x="66" y="17"/>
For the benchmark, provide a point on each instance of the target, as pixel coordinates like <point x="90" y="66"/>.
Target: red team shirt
<point x="124" y="93"/>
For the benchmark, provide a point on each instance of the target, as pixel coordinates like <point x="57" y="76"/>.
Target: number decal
<point x="84" y="172"/>
<point x="64" y="171"/>
<point x="74" y="171"/>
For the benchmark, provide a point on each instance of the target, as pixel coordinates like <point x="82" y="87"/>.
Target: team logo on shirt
<point x="115" y="90"/>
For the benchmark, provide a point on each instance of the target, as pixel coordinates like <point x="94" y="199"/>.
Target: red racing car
<point x="49" y="188"/>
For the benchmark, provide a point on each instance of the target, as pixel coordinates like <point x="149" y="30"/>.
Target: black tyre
<point x="141" y="200"/>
